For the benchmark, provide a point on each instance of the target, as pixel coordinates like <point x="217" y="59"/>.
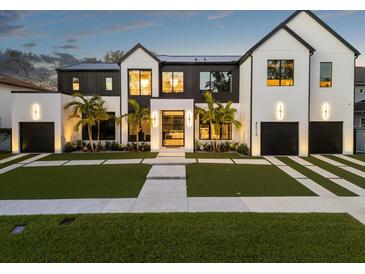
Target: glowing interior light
<point x="280" y="111"/>
<point x="36" y="114"/>
<point x="154" y="119"/>
<point x="325" y="111"/>
<point x="189" y="118"/>
<point x="144" y="82"/>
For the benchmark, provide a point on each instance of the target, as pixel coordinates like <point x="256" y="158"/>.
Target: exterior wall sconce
<point x="280" y="111"/>
<point x="154" y="119"/>
<point x="325" y="111"/>
<point x="189" y="118"/>
<point x="36" y="113"/>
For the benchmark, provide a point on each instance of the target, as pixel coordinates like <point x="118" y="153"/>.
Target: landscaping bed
<point x="100" y="155"/>
<point x="184" y="237"/>
<point x="224" y="180"/>
<point x="100" y="181"/>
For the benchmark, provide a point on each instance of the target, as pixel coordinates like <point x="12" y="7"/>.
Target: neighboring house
<point x="360" y="97"/>
<point x="294" y="92"/>
<point x="7" y="84"/>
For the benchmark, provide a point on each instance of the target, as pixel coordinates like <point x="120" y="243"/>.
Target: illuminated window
<point x="172" y="82"/>
<point x="75" y="84"/>
<point x="144" y="133"/>
<point x="107" y="130"/>
<point x="216" y="81"/>
<point x="325" y="75"/>
<point x="140" y="82"/>
<point x="280" y="72"/>
<point x="108" y="83"/>
<point x="208" y="133"/>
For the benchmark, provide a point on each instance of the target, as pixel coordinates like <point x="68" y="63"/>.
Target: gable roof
<point x="284" y="25"/>
<point x="91" y="66"/>
<point x="138" y="46"/>
<point x="359" y="75"/>
<point x="272" y="33"/>
<point x="11" y="81"/>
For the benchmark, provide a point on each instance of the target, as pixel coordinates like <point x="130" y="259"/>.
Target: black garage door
<point x="279" y="138"/>
<point x="37" y="137"/>
<point x="325" y="137"/>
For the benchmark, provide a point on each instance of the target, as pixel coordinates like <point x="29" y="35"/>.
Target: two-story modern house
<point x="293" y="91"/>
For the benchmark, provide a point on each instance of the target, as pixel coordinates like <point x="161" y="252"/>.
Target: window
<point x="107" y="130"/>
<point x="144" y="134"/>
<point x="362" y="122"/>
<point x="205" y="132"/>
<point x="216" y="81"/>
<point x="325" y="75"/>
<point x="172" y="82"/>
<point x="280" y="72"/>
<point x="140" y="82"/>
<point x="108" y="83"/>
<point x="75" y="84"/>
<point x="361" y="90"/>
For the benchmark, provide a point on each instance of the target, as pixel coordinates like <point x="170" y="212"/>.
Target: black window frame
<point x="172" y="86"/>
<point x="280" y="72"/>
<point x="72" y="83"/>
<point x="140" y="70"/>
<point x="85" y="134"/>
<point x="320" y="63"/>
<point x="210" y="132"/>
<point x="210" y="81"/>
<point x="108" y="77"/>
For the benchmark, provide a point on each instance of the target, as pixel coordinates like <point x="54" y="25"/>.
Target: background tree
<point x="85" y="110"/>
<point x="114" y="56"/>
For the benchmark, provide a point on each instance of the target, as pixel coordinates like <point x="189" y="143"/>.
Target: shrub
<point x="242" y="149"/>
<point x="70" y="147"/>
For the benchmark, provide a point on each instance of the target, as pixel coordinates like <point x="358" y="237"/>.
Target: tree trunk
<point x="213" y="138"/>
<point x="90" y="137"/>
<point x="137" y="136"/>
<point x="98" y="142"/>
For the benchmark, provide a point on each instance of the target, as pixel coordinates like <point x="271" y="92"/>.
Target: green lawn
<point x="241" y="180"/>
<point x="184" y="237"/>
<point x="346" y="162"/>
<point x="105" y="181"/>
<point x="4" y="155"/>
<point x="326" y="183"/>
<point x="360" y="156"/>
<point x="357" y="180"/>
<point x="17" y="160"/>
<point x="215" y="155"/>
<point x="100" y="155"/>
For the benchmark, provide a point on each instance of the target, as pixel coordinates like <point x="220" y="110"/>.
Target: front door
<point x="173" y="128"/>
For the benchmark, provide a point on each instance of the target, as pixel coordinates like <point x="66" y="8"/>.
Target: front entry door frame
<point x="162" y="128"/>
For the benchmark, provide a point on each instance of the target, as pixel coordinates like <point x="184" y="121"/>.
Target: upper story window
<point x="325" y="80"/>
<point x="75" y="84"/>
<point x="108" y="83"/>
<point x="140" y="81"/>
<point x="216" y="81"/>
<point x="172" y="82"/>
<point x="280" y="72"/>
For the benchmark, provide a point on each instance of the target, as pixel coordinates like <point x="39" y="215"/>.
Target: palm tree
<point x="100" y="115"/>
<point x="137" y="118"/>
<point x="226" y="115"/>
<point x="84" y="110"/>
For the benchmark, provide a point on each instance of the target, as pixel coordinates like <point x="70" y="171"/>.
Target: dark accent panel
<point x="143" y="100"/>
<point x="36" y="136"/>
<point x="192" y="82"/>
<point x="91" y="82"/>
<point x="325" y="137"/>
<point x="279" y="138"/>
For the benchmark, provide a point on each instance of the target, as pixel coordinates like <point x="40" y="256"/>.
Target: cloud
<point x="68" y="46"/>
<point x="220" y="15"/>
<point x="30" y="45"/>
<point x="72" y="40"/>
<point x="130" y="26"/>
<point x="7" y="23"/>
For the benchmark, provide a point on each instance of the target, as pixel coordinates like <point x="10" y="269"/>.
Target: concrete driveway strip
<point x="354" y="171"/>
<point x="350" y="159"/>
<point x="251" y="162"/>
<point x="216" y="204"/>
<point x="35" y="158"/>
<point x="9" y="168"/>
<point x="328" y="160"/>
<point x="14" y="157"/>
<point x="324" y="173"/>
<point x="84" y="162"/>
<point x="350" y="186"/>
<point x="316" y="188"/>
<point x="292" y="172"/>
<point x="275" y="161"/>
<point x="46" y="163"/>
<point x="300" y="161"/>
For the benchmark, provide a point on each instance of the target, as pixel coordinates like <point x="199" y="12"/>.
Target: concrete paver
<point x="251" y="161"/>
<point x="215" y="161"/>
<point x="46" y="163"/>
<point x="122" y="161"/>
<point x="216" y="204"/>
<point x="167" y="172"/>
<point x="83" y="162"/>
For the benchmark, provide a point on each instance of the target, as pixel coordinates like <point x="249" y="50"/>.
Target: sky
<point x="93" y="33"/>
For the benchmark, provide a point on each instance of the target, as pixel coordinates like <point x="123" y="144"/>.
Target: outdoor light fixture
<point x="189" y="118"/>
<point x="36" y="112"/>
<point x="154" y="119"/>
<point x="280" y="111"/>
<point x="325" y="111"/>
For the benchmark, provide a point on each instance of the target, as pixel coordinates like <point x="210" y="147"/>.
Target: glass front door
<point x="173" y="128"/>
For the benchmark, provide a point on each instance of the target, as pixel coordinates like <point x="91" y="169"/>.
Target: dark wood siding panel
<point x="192" y="82"/>
<point x="91" y="82"/>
